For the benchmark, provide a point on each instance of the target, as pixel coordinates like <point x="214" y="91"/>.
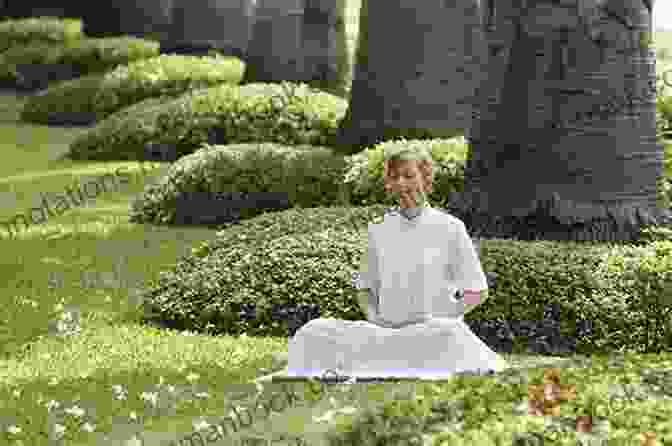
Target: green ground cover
<point x="116" y="377"/>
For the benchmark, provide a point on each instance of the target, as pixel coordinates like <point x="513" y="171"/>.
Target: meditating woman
<point x="417" y="259"/>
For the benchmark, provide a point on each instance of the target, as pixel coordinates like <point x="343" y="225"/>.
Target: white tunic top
<point x="416" y="266"/>
<point x="418" y="329"/>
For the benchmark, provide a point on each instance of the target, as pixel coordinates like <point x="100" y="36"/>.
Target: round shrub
<point x="100" y="95"/>
<point x="224" y="114"/>
<point x="83" y="56"/>
<point x="310" y="176"/>
<point x="306" y="257"/>
<point x="45" y="29"/>
<point x="365" y="170"/>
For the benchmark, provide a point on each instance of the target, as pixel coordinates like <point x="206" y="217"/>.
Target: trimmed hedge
<point x="310" y="176"/>
<point x="319" y="176"/>
<point x="251" y="275"/>
<point x="82" y="56"/>
<point x="45" y="29"/>
<point x="225" y="114"/>
<point x="100" y="95"/>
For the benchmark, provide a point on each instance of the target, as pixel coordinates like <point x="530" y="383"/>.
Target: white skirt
<point x="437" y="349"/>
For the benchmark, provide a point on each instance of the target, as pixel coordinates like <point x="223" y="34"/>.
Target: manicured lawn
<point x="115" y="376"/>
<point x="91" y="260"/>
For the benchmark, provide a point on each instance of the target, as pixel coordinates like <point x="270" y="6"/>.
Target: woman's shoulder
<point x="444" y="216"/>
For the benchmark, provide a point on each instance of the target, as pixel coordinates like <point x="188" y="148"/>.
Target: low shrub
<point x="255" y="272"/>
<point x="39" y="29"/>
<point x="100" y="95"/>
<point x="308" y="176"/>
<point x="82" y="56"/>
<point x="225" y="114"/>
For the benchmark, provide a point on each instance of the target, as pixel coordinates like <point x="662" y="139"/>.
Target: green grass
<point x="41" y="280"/>
<point x="111" y="349"/>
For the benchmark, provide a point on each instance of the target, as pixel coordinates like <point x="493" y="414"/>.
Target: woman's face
<point x="405" y="182"/>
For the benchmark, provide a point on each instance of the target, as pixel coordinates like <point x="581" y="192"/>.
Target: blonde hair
<point x="420" y="155"/>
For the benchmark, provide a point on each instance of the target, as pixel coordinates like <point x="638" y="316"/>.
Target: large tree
<point x="215" y="24"/>
<point x="300" y="41"/>
<point x="564" y="144"/>
<point x="418" y="65"/>
<point x="125" y="17"/>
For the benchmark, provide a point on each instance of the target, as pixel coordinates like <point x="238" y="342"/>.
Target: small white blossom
<point x="152" y="397"/>
<point x="75" y="410"/>
<point x="59" y="430"/>
<point x="201" y="424"/>
<point x="14" y="430"/>
<point x="88" y="427"/>
<point x="52" y="405"/>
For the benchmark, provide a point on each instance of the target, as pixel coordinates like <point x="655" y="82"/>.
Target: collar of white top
<point x="411" y="214"/>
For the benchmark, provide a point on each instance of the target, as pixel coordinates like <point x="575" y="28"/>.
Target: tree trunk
<point x="417" y="68"/>
<point x="564" y="146"/>
<point x="274" y="52"/>
<point x="147" y="18"/>
<point x="324" y="46"/>
<point x="300" y="41"/>
<point x="213" y="24"/>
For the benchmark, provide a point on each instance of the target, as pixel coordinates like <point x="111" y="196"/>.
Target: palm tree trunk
<point x="564" y="146"/>
<point x="300" y="41"/>
<point x="417" y="67"/>
<point x="274" y="51"/>
<point x="325" y="47"/>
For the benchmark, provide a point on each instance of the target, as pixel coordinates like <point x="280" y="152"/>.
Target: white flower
<point x="88" y="427"/>
<point x="59" y="430"/>
<point x="75" y="410"/>
<point x="202" y="424"/>
<point x="14" y="430"/>
<point x="152" y="397"/>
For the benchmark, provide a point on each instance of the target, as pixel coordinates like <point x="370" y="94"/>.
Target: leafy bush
<point x="276" y="262"/>
<point x="664" y="117"/>
<point x="45" y="29"/>
<point x="100" y="95"/>
<point x="224" y="114"/>
<point x="310" y="176"/>
<point x="84" y="55"/>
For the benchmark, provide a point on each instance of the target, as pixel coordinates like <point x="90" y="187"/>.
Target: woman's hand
<point x="472" y="299"/>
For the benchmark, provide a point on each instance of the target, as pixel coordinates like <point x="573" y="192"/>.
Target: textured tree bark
<point x="564" y="146"/>
<point x="324" y="46"/>
<point x="417" y="68"/>
<point x="300" y="41"/>
<point x="197" y="24"/>
<point x="274" y="51"/>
